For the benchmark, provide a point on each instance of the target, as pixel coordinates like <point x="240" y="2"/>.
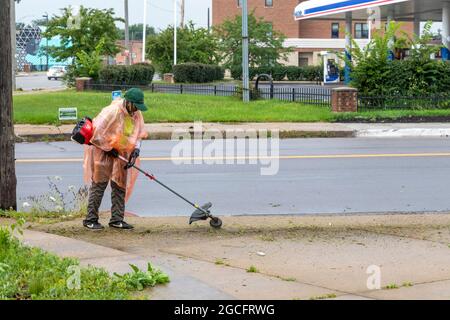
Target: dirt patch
<point x="163" y="232"/>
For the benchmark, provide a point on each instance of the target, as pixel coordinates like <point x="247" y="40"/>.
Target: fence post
<point x="344" y="99"/>
<point x="293" y="94"/>
<point x="153" y="87"/>
<point x="181" y="89"/>
<point x="271" y="90"/>
<point x="215" y="90"/>
<point x="83" y="83"/>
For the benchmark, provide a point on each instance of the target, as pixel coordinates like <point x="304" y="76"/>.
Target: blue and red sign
<point x="318" y="8"/>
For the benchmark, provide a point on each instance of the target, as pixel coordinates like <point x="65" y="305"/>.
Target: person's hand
<point x="132" y="160"/>
<point x="113" y="153"/>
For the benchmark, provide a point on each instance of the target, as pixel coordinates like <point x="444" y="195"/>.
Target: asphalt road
<point x="37" y="81"/>
<point x="316" y="176"/>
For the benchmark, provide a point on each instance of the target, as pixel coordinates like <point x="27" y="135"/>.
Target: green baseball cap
<point x="136" y="96"/>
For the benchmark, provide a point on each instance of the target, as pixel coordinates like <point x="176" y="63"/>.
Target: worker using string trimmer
<point x="117" y="130"/>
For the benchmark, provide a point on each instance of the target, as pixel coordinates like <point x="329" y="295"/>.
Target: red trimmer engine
<point x="83" y="131"/>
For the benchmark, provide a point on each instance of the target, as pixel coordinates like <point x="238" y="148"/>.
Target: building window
<point x="361" y="31"/>
<point x="239" y="3"/>
<point x="302" y="60"/>
<point x="335" y="30"/>
<point x="269" y="3"/>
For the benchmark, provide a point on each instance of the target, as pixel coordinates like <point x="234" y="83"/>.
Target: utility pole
<point x="209" y="19"/>
<point x="182" y="14"/>
<point x="175" y="26"/>
<point x="13" y="42"/>
<point x="245" y="72"/>
<point x="46" y="46"/>
<point x="144" y="31"/>
<point x="127" y="35"/>
<point x="8" y="180"/>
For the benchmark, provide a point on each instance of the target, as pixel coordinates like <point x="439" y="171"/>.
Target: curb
<point x="165" y="135"/>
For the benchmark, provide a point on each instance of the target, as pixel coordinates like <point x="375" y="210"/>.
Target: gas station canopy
<point x="400" y="10"/>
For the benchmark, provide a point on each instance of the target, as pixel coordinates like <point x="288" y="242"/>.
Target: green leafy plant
<point x="139" y="280"/>
<point x="196" y="45"/>
<point x="136" y="74"/>
<point x="373" y="73"/>
<point x="252" y="269"/>
<point x="266" y="45"/>
<point x="89" y="64"/>
<point x="91" y="25"/>
<point x="197" y="72"/>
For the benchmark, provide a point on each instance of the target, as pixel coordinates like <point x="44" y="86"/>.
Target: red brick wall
<point x="136" y="48"/>
<point x="281" y="15"/>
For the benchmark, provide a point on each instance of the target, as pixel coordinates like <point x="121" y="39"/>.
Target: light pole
<point x="175" y="11"/>
<point x="127" y="35"/>
<point x="144" y="31"/>
<point x="245" y="72"/>
<point x="46" y="46"/>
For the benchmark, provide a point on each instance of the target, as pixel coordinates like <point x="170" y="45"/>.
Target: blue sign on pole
<point x="116" y="95"/>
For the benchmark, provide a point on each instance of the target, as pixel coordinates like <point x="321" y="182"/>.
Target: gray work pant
<point x="95" y="199"/>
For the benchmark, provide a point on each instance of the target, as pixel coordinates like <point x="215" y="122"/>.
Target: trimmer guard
<point x="198" y="214"/>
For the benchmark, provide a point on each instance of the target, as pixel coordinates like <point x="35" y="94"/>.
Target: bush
<point x="136" y="74"/>
<point x="197" y="72"/>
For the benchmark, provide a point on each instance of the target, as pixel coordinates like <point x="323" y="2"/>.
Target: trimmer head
<point x="204" y="214"/>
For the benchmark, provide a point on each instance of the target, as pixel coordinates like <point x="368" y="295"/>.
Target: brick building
<point x="307" y="37"/>
<point x="135" y="55"/>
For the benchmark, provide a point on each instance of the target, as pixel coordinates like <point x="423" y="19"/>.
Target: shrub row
<point x="197" y="72"/>
<point x="280" y="73"/>
<point x="136" y="74"/>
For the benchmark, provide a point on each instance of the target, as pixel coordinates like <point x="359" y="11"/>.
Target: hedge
<point x="280" y="73"/>
<point x="136" y="74"/>
<point x="197" y="72"/>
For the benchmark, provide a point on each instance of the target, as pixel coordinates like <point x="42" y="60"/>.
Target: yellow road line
<point x="333" y="156"/>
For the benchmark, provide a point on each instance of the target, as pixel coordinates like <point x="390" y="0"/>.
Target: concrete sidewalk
<point x="164" y="131"/>
<point x="295" y="257"/>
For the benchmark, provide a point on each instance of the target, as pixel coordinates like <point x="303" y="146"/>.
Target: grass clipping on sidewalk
<point x="31" y="273"/>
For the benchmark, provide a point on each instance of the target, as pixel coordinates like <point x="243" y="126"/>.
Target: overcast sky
<point x="160" y="12"/>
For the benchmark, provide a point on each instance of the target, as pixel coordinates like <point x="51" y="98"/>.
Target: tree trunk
<point x="8" y="180"/>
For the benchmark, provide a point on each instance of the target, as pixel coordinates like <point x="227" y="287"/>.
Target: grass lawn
<point x="42" y="108"/>
<point x="31" y="273"/>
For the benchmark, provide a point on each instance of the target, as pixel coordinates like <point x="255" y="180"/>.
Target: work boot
<point x="92" y="225"/>
<point x="121" y="225"/>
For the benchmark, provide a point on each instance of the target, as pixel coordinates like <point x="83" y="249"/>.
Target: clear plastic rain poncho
<point x="114" y="128"/>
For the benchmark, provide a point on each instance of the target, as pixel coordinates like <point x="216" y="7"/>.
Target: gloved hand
<point x="113" y="153"/>
<point x="133" y="156"/>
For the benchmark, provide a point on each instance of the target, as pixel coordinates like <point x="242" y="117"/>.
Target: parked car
<point x="56" y="72"/>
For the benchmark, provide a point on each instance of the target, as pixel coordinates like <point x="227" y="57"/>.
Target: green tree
<point x="136" y="32"/>
<point x="83" y="32"/>
<point x="89" y="64"/>
<point x="265" y="44"/>
<point x="193" y="45"/>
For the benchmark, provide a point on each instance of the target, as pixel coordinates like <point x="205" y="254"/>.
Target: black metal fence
<point x="306" y="95"/>
<point x="438" y="101"/>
